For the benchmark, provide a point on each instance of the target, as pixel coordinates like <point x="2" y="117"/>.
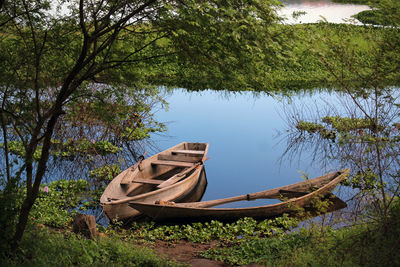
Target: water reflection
<point x="332" y="12"/>
<point x="244" y="133"/>
<point x="359" y="131"/>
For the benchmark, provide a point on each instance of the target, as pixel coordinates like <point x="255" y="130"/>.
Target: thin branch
<point x="122" y="21"/>
<point x="3" y="125"/>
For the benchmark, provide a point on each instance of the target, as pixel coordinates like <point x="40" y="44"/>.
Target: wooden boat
<point x="293" y="196"/>
<point x="171" y="175"/>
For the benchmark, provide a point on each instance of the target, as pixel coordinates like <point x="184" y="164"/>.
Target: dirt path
<point x="187" y="252"/>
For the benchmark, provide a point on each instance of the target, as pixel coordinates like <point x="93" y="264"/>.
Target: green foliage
<point x="385" y="13"/>
<point x="365" y="244"/>
<point x="350" y="137"/>
<point x="309" y="127"/>
<point x="44" y="248"/>
<point x="268" y="250"/>
<point x="318" y="49"/>
<point x="10" y="203"/>
<point x="350" y="124"/>
<point x="105" y="173"/>
<point x="60" y="68"/>
<point x="227" y="233"/>
<point x="18" y="149"/>
<point x="61" y="202"/>
<point x="375" y="17"/>
<point x="72" y="148"/>
<point x="350" y="57"/>
<point x="344" y="129"/>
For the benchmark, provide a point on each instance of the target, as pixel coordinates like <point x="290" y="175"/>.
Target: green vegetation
<point x="377" y="17"/>
<point x="77" y="86"/>
<point x="77" y="96"/>
<point x="42" y="247"/>
<point x="384" y="12"/>
<point x="237" y="232"/>
<point x="58" y="202"/>
<point x="367" y="244"/>
<point x="270" y="242"/>
<point x="299" y="67"/>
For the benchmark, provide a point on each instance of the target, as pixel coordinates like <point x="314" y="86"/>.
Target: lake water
<point x="242" y="131"/>
<point x="332" y="12"/>
<point x="245" y="147"/>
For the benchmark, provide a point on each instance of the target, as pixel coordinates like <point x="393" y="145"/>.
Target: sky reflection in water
<point x="242" y="129"/>
<point x="242" y="132"/>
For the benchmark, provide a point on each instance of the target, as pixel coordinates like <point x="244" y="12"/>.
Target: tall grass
<point x="41" y="247"/>
<point x="373" y="243"/>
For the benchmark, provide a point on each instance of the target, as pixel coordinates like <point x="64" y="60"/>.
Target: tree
<point x="53" y="56"/>
<point x="360" y="133"/>
<point x="363" y="130"/>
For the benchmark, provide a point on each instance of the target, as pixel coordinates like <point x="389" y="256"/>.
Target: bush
<point x="39" y="247"/>
<point x="58" y="202"/>
<point x="367" y="244"/>
<point x="10" y="202"/>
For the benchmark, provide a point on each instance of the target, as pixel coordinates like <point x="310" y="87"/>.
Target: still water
<point x="316" y="9"/>
<point x="243" y="133"/>
<point x="246" y="132"/>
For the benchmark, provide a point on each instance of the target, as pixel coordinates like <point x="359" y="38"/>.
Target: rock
<point x="85" y="225"/>
<point x="101" y="234"/>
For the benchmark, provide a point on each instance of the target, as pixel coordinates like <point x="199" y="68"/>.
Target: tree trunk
<point x="22" y="221"/>
<point x="32" y="191"/>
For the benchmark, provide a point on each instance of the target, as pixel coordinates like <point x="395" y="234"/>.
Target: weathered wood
<point x="182" y="158"/>
<point x="203" y="210"/>
<point x="188" y="152"/>
<point x="131" y="173"/>
<point x="177" y="177"/>
<point x="85" y="225"/>
<point x="148" y="181"/>
<point x="116" y="196"/>
<point x="172" y="163"/>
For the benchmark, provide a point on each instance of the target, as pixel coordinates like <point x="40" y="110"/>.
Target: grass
<point x="269" y="243"/>
<point x="42" y="247"/>
<point x="361" y="245"/>
<point x="372" y="243"/>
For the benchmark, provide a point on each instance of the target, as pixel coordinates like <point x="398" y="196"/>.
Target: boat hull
<point x="177" y="193"/>
<point x="189" y="211"/>
<point x="134" y="184"/>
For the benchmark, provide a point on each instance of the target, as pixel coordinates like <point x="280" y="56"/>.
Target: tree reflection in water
<point x="360" y="132"/>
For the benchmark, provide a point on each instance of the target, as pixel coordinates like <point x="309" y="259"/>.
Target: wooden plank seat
<point x="189" y="152"/>
<point x="173" y="163"/>
<point x="179" y="157"/>
<point x="148" y="181"/>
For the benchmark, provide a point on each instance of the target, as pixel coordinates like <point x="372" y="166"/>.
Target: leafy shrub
<point x="61" y="202"/>
<point x="375" y="17"/>
<point x="42" y="248"/>
<point x="10" y="202"/>
<point x="258" y="250"/>
<point x="227" y="233"/>
<point x="366" y="244"/>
